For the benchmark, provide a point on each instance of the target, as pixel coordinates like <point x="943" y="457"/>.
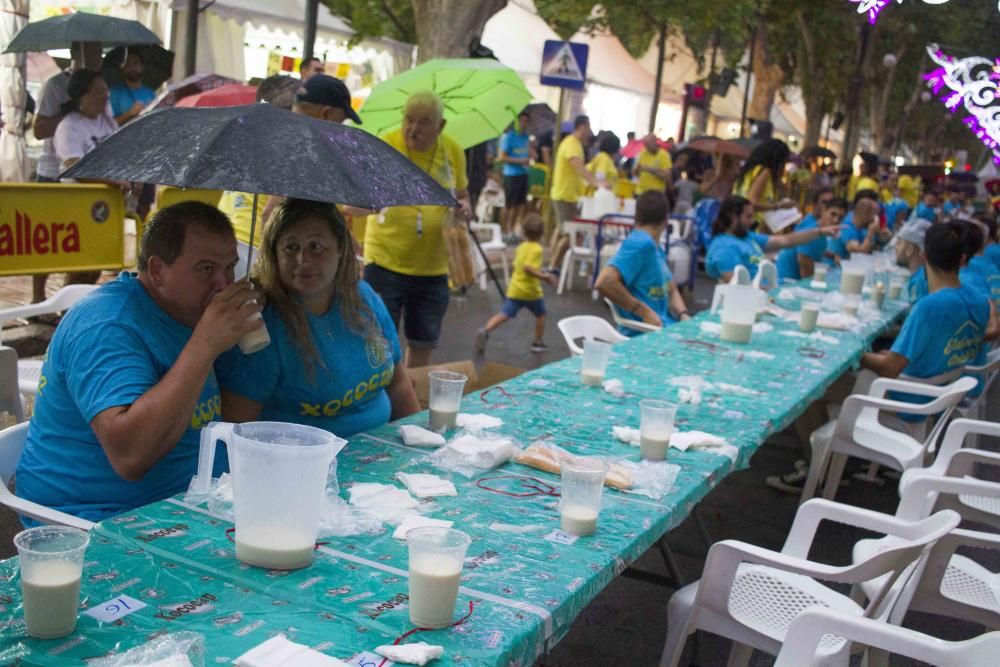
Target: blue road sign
<point x="564" y="64"/>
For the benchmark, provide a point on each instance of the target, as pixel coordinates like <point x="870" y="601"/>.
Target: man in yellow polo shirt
<point x="653" y="166"/>
<point x="406" y="260"/>
<point x="570" y="179"/>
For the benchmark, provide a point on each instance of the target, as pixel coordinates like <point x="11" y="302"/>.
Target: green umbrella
<point x="59" y="32"/>
<point x="481" y="98"/>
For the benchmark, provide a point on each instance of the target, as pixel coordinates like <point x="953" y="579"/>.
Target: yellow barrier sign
<point x="53" y="227"/>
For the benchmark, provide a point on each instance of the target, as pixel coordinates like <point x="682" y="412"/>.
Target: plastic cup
<point x="808" y="316"/>
<point x="580" y="496"/>
<point x="819" y="273"/>
<point x="851" y="304"/>
<point x="445" y="398"/>
<point x="437" y="556"/>
<point x="255" y="340"/>
<point x="51" y="568"/>
<point x="878" y="294"/>
<point x="594" y="362"/>
<point x="852" y="277"/>
<point x="895" y="288"/>
<point x="655" y="428"/>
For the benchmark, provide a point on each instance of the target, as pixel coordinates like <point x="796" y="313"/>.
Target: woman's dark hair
<point x="77" y="86"/>
<point x="346" y="293"/>
<point x="610" y="143"/>
<point x="945" y="245"/>
<point x="772" y="155"/>
<point x="732" y="205"/>
<point x="869" y="163"/>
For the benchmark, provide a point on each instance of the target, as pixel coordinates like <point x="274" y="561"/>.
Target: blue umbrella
<point x="59" y="32"/>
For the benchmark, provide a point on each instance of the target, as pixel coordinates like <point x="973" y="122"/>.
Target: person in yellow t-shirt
<point x="866" y="180"/>
<point x="525" y="289"/>
<point x="406" y="259"/>
<point x="239" y="207"/>
<point x="760" y="178"/>
<point x="569" y="179"/>
<point x="652" y="166"/>
<point x="603" y="165"/>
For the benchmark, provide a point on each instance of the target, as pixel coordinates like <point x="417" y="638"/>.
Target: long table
<point x="526" y="584"/>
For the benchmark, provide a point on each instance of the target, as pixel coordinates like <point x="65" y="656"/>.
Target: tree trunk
<point x="768" y="78"/>
<point x="445" y="27"/>
<point x="814" y="118"/>
<point x="811" y="73"/>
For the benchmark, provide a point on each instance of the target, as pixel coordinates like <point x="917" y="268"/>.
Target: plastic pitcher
<point x="604" y="203"/>
<point x="740" y="304"/>
<point x="767" y="275"/>
<point x="279" y="476"/>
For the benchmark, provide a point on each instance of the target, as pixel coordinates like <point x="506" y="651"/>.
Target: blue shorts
<point x="421" y="301"/>
<point x="511" y="307"/>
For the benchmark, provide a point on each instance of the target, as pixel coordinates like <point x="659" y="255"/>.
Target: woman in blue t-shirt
<point x="334" y="361"/>
<point x="733" y="244"/>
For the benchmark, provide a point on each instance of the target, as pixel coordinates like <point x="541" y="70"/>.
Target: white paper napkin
<point x="419" y="653"/>
<point x="417" y="436"/>
<point x="477" y="422"/>
<point x="614" y="387"/>
<point x="626" y="434"/>
<point x="280" y="652"/>
<point x="700" y="440"/>
<point x="423" y="485"/>
<point x="418" y="521"/>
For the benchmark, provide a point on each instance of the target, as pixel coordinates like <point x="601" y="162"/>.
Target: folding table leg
<point x="671" y="562"/>
<point x="699" y="523"/>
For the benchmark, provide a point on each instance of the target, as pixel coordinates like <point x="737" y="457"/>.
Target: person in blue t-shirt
<point x="637" y="280"/>
<point x="128" y="381"/>
<point x="515" y="157"/>
<point x="979" y="271"/>
<point x="800" y="262"/>
<point x="861" y="230"/>
<point x="334" y="361"/>
<point x="130" y="98"/>
<point x="946" y="329"/>
<point x="955" y="202"/>
<point x="926" y="208"/>
<point x="992" y="251"/>
<point x="733" y="244"/>
<point x="910" y="255"/>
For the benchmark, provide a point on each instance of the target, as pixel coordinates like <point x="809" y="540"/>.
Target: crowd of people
<point x="339" y="284"/>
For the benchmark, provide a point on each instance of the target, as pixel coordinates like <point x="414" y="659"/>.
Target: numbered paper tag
<point x="560" y="537"/>
<point x="369" y="659"/>
<point x="114" y="609"/>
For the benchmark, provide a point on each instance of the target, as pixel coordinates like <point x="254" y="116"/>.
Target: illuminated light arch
<point x="874" y="7"/>
<point x="973" y="84"/>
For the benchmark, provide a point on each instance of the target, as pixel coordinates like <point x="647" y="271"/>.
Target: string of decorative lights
<point x="874" y="7"/>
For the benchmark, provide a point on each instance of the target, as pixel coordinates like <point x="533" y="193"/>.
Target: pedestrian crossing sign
<point x="564" y="64"/>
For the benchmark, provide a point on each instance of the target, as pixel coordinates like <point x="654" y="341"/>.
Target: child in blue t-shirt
<point x="637" y="280"/>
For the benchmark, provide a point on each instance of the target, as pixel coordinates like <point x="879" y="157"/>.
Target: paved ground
<point x="626" y="623"/>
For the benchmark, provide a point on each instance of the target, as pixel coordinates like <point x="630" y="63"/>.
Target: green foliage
<point x="377" y="18"/>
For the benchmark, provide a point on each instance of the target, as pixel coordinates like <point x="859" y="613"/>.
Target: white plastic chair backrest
<point x="810" y="626"/>
<point x="10" y="397"/>
<point x="11" y="445"/>
<point x="991" y="366"/>
<point x="587" y="326"/>
<point x="495" y="231"/>
<point x="741" y="276"/>
<point x="64" y="299"/>
<point x="767" y="275"/>
<point x="954" y="440"/>
<point x="629" y="324"/>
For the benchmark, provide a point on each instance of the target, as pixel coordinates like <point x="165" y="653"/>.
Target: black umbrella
<point x="157" y="64"/>
<point x="541" y="118"/>
<point x="811" y="152"/>
<point x="59" y="32"/>
<point x="263" y="149"/>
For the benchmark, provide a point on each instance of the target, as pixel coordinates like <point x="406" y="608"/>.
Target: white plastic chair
<point x="952" y="584"/>
<point x="751" y="595"/>
<point x="29" y="371"/>
<point x="11" y="445"/>
<point x="625" y="323"/>
<point x="813" y="627"/>
<point x="858" y="431"/>
<point x="975" y="407"/>
<point x="493" y="244"/>
<point x="10" y="397"/>
<point x="587" y="326"/>
<point x="767" y="274"/>
<point x="582" y="242"/>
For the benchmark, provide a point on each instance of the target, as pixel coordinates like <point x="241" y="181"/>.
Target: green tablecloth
<point x="527" y="589"/>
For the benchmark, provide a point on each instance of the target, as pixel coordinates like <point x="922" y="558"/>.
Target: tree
<point x="439" y="28"/>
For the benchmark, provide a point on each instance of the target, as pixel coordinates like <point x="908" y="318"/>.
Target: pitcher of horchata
<point x="279" y="473"/>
